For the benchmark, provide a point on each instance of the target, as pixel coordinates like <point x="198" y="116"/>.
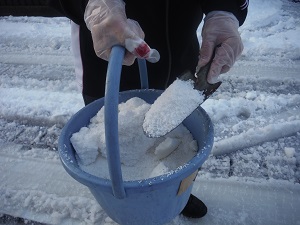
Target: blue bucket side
<point x="156" y="200"/>
<point x="159" y="193"/>
<point x="150" y="201"/>
<point x="67" y="152"/>
<point x="155" y="207"/>
<point x="82" y="118"/>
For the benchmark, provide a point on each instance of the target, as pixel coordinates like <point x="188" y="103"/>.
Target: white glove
<point x="220" y="28"/>
<point x="107" y="21"/>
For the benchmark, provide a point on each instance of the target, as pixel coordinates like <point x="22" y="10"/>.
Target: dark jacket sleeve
<point x="73" y="9"/>
<point x="238" y="7"/>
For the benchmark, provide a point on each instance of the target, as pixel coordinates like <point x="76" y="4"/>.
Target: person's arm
<point x="109" y="26"/>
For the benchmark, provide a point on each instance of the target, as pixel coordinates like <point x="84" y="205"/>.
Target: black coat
<point x="170" y="27"/>
<point x="74" y="9"/>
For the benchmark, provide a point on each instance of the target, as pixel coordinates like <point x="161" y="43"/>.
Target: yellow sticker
<point x="186" y="182"/>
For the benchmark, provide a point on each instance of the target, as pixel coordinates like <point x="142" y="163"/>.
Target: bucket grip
<point x="111" y="102"/>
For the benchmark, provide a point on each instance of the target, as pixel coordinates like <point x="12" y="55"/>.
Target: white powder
<point x="177" y="102"/>
<point x="137" y="151"/>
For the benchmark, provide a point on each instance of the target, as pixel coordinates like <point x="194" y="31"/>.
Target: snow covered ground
<point x="253" y="173"/>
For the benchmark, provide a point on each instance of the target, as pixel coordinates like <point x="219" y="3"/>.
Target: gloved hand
<point x="107" y="21"/>
<point x="219" y="28"/>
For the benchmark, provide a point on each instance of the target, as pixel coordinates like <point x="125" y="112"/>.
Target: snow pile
<point x="141" y="157"/>
<point x="176" y="103"/>
<point x="257" y="136"/>
<point x="268" y="31"/>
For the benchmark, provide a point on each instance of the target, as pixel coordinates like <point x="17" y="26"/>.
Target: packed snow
<point x="253" y="173"/>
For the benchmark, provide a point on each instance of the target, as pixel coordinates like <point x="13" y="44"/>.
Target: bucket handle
<point x="111" y="102"/>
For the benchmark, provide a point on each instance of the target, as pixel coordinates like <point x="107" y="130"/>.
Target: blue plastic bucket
<point x="151" y="201"/>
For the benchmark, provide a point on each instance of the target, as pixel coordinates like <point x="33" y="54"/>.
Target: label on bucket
<point x="186" y="182"/>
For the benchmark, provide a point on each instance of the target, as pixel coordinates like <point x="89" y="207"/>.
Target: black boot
<point x="194" y="208"/>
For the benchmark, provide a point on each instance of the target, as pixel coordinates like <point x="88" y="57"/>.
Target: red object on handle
<point x="142" y="50"/>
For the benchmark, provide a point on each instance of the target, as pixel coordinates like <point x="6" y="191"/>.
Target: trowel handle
<point x="201" y="83"/>
<point x="111" y="102"/>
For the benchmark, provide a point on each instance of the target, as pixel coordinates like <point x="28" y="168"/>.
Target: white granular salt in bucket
<point x="177" y="102"/>
<point x="141" y="157"/>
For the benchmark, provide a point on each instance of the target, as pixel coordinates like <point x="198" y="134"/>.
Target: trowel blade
<point x="174" y="105"/>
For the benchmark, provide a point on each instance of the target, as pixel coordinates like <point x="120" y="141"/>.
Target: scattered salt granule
<point x="176" y="103"/>
<point x="141" y="157"/>
<point x="289" y="152"/>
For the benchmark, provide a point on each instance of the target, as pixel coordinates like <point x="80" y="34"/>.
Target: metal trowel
<point x="167" y="112"/>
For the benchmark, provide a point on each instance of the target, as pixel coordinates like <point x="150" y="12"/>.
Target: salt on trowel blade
<point x="172" y="107"/>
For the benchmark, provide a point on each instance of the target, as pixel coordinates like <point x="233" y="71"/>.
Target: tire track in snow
<point x="256" y="97"/>
<point x="38" y="37"/>
<point x="37" y="76"/>
<point x="40" y="77"/>
<point x="54" y="58"/>
<point x="28" y="135"/>
<point x="247" y="76"/>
